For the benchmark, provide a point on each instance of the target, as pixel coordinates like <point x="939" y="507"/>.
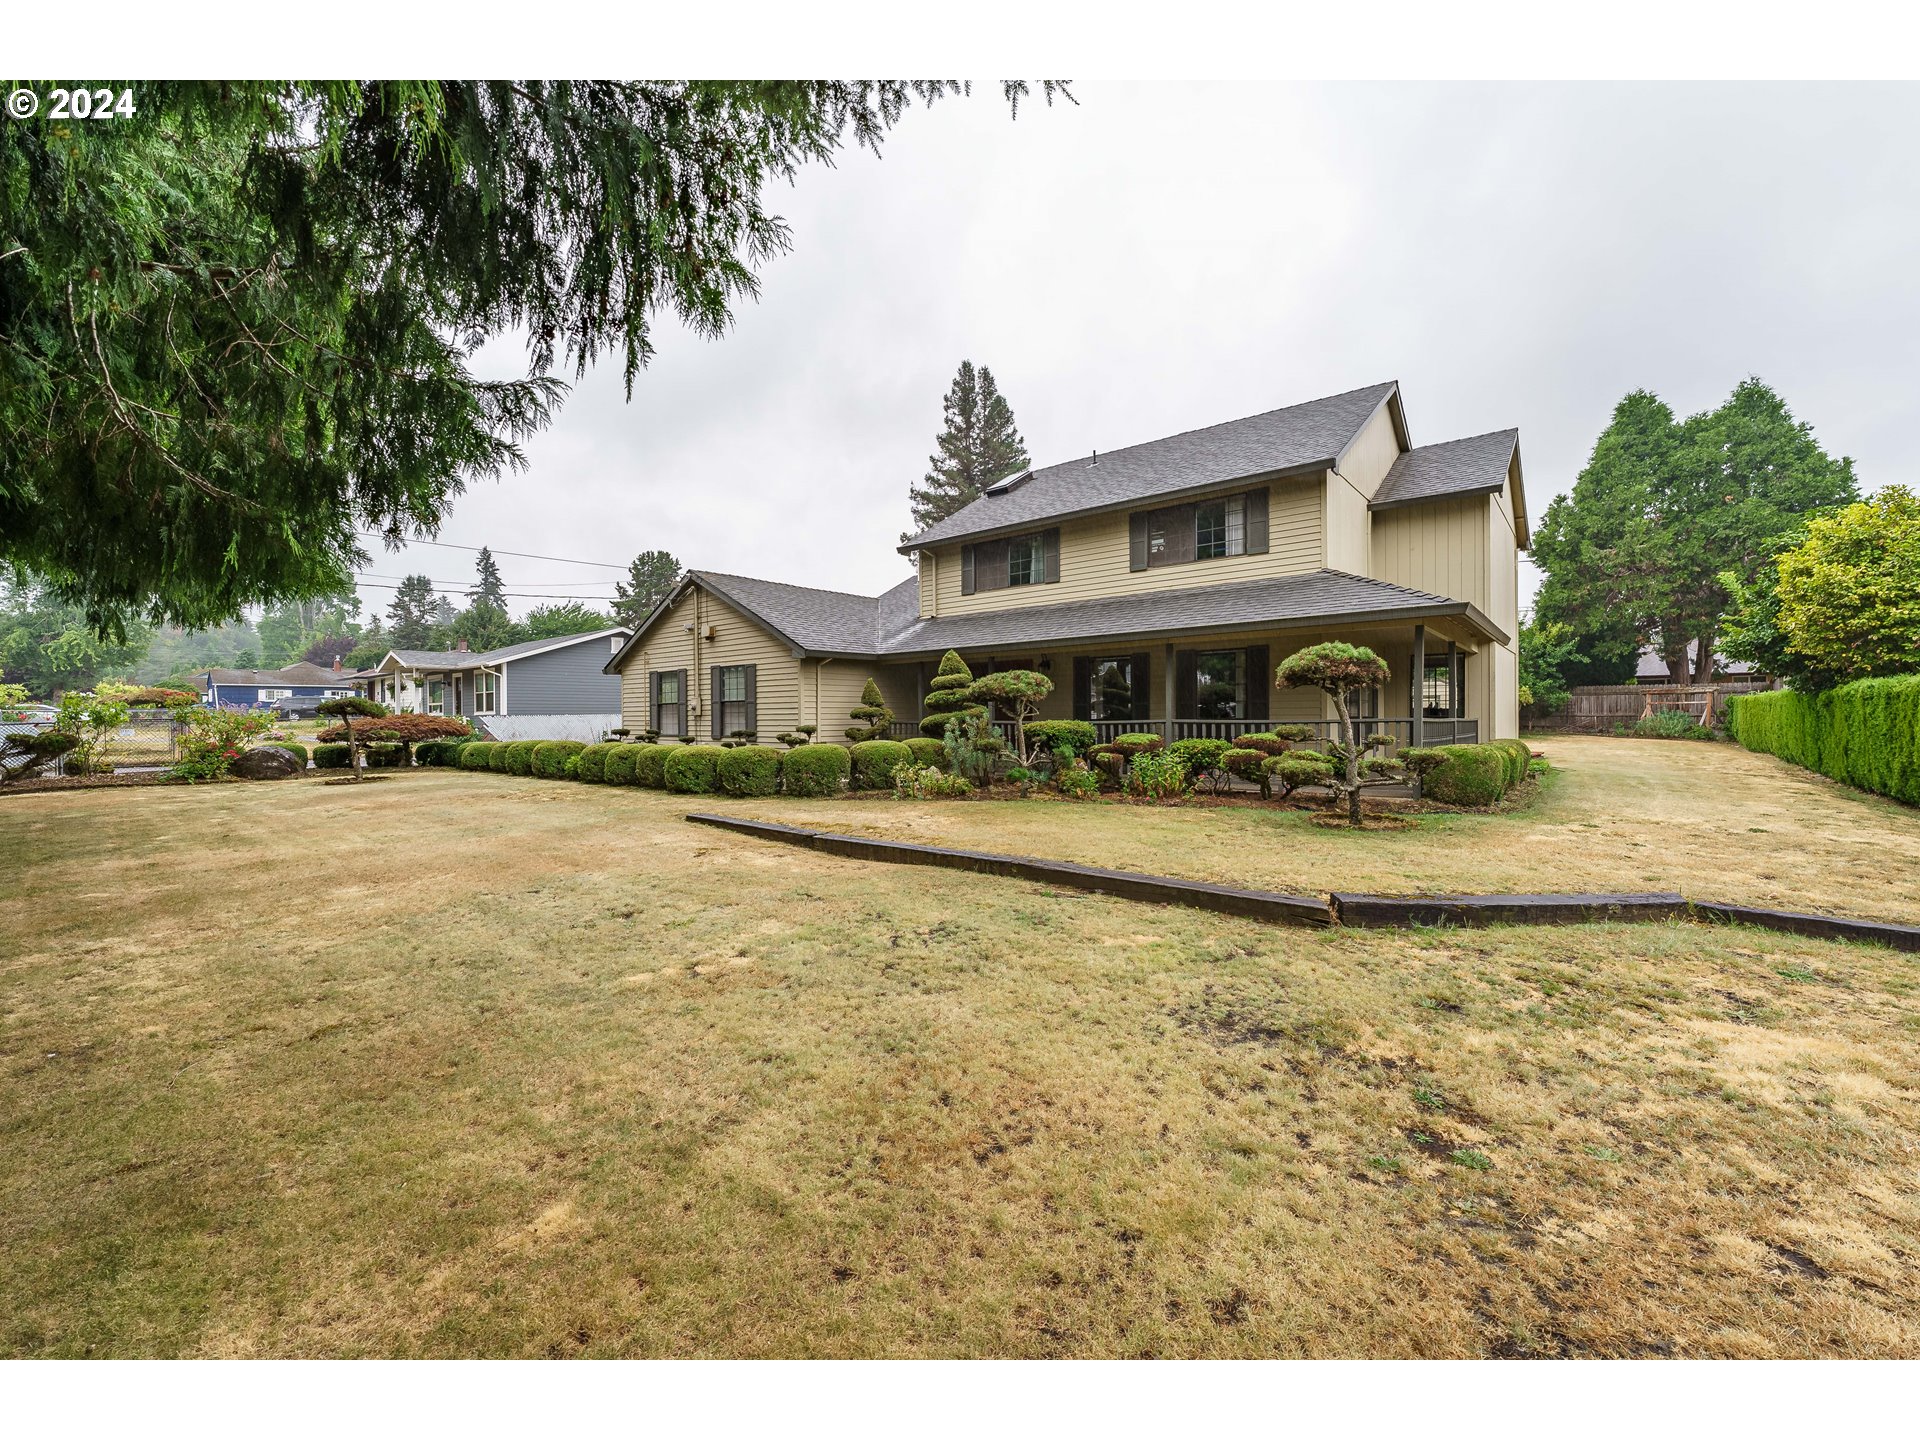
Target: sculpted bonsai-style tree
<point x="947" y="694"/>
<point x="872" y="709"/>
<point x="406" y="731"/>
<point x="344" y="709"/>
<point x="1337" y="668"/>
<point x="1021" y="691"/>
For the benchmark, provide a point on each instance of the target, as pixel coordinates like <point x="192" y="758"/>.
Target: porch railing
<point x="1432" y="732"/>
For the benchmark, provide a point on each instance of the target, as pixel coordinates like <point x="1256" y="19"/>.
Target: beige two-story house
<point x="1158" y="586"/>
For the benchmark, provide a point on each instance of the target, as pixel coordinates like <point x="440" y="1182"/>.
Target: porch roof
<point x="1288" y="602"/>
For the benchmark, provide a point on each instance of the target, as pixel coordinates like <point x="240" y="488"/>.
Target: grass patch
<point x="588" y="1081"/>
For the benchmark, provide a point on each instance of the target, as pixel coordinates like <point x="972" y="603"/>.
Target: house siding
<point x="1094" y="558"/>
<point x="738" y="640"/>
<point x="562" y="682"/>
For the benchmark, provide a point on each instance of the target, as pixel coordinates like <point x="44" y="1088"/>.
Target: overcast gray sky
<point x="1166" y="257"/>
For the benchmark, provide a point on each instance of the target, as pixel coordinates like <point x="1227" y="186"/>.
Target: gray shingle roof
<point x="299" y="673"/>
<point x="1297" y="437"/>
<point x="471" y="659"/>
<point x="819" y="620"/>
<point x="1285" y="601"/>
<point x="1471" y="466"/>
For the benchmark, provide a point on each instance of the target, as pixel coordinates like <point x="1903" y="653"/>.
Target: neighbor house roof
<point x="1477" y="465"/>
<point x="1284" y="602"/>
<point x="1298" y="438"/>
<point x="831" y="622"/>
<point x="297" y="674"/>
<point x="475" y="659"/>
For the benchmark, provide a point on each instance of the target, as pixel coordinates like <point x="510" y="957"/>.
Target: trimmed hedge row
<point x="1866" y="734"/>
<point x="474" y="754"/>
<point x="555" y="759"/>
<point x="332" y="757"/>
<point x="293" y="747"/>
<point x="874" y="762"/>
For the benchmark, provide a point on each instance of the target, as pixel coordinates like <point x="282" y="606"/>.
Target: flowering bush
<point x="213" y="740"/>
<point x="924" y="782"/>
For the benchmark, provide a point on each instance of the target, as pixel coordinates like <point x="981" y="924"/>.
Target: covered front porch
<point x="1221" y="685"/>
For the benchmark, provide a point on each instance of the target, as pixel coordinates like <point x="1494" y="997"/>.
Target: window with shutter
<point x="1206" y="530"/>
<point x="732" y="700"/>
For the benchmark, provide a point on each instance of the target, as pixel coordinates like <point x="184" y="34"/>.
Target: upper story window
<point x="1032" y="559"/>
<point x="1202" y="530"/>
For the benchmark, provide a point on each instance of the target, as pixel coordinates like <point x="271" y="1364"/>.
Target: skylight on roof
<point x="1001" y="487"/>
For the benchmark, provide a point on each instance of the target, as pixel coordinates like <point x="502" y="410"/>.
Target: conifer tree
<point x="947" y="694"/>
<point x="978" y="445"/>
<point x="410" y="614"/>
<point x="488" y="587"/>
<point x="651" y="576"/>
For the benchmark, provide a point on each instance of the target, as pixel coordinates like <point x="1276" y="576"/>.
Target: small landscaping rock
<point x="267" y="762"/>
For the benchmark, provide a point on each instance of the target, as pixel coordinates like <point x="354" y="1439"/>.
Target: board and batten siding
<point x="568" y="681"/>
<point x="1094" y="558"/>
<point x="1372" y="453"/>
<point x="1440" y="547"/>
<point x="738" y="640"/>
<point x="829" y="689"/>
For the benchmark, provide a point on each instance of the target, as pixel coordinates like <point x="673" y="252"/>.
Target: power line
<point x="469" y="585"/>
<point x="517" y="554"/>
<point x="508" y="594"/>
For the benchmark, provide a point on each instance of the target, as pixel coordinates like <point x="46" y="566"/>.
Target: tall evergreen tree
<point x="1665" y="509"/>
<point x="488" y="587"/>
<point x="978" y="445"/>
<point x="410" y="615"/>
<point x="650" y="579"/>
<point x="240" y="328"/>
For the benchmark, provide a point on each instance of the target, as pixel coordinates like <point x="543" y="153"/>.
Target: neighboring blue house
<point x="258" y="689"/>
<point x="553" y="689"/>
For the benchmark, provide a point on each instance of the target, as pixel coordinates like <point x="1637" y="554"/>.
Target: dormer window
<point x="1031" y="559"/>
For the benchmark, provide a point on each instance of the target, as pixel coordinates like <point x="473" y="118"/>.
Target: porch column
<point x="1166" y="692"/>
<point x="1419" y="685"/>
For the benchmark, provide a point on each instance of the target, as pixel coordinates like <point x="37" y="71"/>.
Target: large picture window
<point x="670" y="702"/>
<point x="1220" y="685"/>
<point x="485" y="693"/>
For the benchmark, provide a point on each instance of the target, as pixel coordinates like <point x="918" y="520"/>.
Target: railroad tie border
<point x="1342" y="907"/>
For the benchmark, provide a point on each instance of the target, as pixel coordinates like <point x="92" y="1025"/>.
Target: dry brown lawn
<point x="464" y="1064"/>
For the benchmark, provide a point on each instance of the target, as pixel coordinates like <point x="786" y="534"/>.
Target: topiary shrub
<point x="617" y="768"/>
<point x="650" y="765"/>
<point x="874" y="761"/>
<point x="694" y="769"/>
<point x="332" y="757"/>
<point x="1136" y="742"/>
<point x="926" y="751"/>
<point x="873" y="711"/>
<point x="814" y="770"/>
<point x="474" y="755"/>
<point x="383" y="754"/>
<point x="1019" y="693"/>
<point x="345" y="708"/>
<point x="946" y="695"/>
<point x="591" y="766"/>
<point x="1298" y="770"/>
<point x="1248" y="764"/>
<point x="295" y="749"/>
<point x="1420" y="761"/>
<point x="1336" y="669"/>
<point x="749" y="770"/>
<point x="1078" y="736"/>
<point x="1519" y="756"/>
<point x="520" y="756"/>
<point x="1469" y="775"/>
<point x="497" y="758"/>
<point x="440" y="752"/>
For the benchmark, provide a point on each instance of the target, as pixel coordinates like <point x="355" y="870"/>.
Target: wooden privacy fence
<point x="1600" y="708"/>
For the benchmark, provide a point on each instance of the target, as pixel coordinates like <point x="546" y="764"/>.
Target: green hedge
<point x="551" y="758"/>
<point x="1078" y="736"/>
<point x="294" y="747"/>
<point x="650" y="765"/>
<point x="439" y="752"/>
<point x="1470" y="775"/>
<point x="1866" y="734"/>
<point x="694" y="769"/>
<point x="927" y="751"/>
<point x="384" y="755"/>
<point x="591" y="766"/>
<point x="332" y="757"/>
<point x="497" y="757"/>
<point x="618" y="766"/>
<point x="474" y="755"/>
<point x="1518" y="756"/>
<point x="874" y="761"/>
<point x="814" y="769"/>
<point x="519" y="755"/>
<point x="748" y="770"/>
